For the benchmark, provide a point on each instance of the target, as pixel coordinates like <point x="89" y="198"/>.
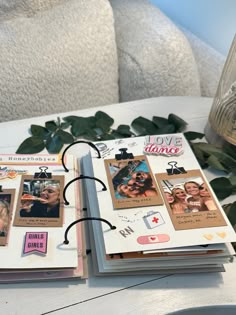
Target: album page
<point x="33" y="214"/>
<point x="156" y="195"/>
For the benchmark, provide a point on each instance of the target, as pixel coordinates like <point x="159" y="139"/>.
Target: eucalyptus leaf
<point x="58" y="121"/>
<point x="215" y="163"/>
<point x="160" y="122"/>
<point x="209" y="149"/>
<point x="86" y="122"/>
<point x="227" y="207"/>
<point x="198" y="153"/>
<point x="232" y="179"/>
<point x="124" y="130"/>
<point x="91" y="122"/>
<point x="71" y="118"/>
<point x="98" y="131"/>
<point x="31" y="145"/>
<point x="229" y="149"/>
<point x="117" y="135"/>
<point x="65" y="125"/>
<point x="101" y="115"/>
<point x="107" y="136"/>
<point x="232" y="213"/>
<point x="65" y="137"/>
<point x="192" y="135"/>
<point x="103" y="121"/>
<point x="170" y="128"/>
<point x="54" y="144"/>
<point x="227" y="162"/>
<point x="222" y="187"/>
<point x="79" y="126"/>
<point x="178" y="122"/>
<point x="51" y="125"/>
<point x="39" y="131"/>
<point x="144" y="126"/>
<point x="91" y="135"/>
<point x="212" y="149"/>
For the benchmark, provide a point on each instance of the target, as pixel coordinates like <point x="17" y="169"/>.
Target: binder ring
<point x="77" y="178"/>
<point x="80" y="141"/>
<point x="66" y="241"/>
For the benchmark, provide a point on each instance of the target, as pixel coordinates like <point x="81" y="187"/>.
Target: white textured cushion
<point x="209" y="62"/>
<point x="56" y="56"/>
<point x="155" y="58"/>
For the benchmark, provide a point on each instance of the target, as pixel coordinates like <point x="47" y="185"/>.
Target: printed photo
<point x="132" y="183"/>
<point x="40" y="202"/>
<point x="6" y="206"/>
<point x="190" y="201"/>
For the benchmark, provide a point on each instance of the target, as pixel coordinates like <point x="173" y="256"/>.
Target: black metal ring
<point x="80" y="141"/>
<point x="77" y="178"/>
<point x="66" y="241"/>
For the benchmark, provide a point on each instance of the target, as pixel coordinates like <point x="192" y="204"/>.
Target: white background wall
<point x="214" y="21"/>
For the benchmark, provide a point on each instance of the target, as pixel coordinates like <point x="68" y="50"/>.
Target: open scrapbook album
<point x="149" y="208"/>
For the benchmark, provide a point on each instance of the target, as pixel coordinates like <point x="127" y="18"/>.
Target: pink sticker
<point x="36" y="242"/>
<point x="164" y="145"/>
<point x="155" y="238"/>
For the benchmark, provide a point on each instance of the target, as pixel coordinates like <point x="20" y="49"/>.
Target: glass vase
<point x="221" y="126"/>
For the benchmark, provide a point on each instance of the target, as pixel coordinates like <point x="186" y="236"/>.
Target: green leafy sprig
<point x="98" y="127"/>
<point x="52" y="137"/>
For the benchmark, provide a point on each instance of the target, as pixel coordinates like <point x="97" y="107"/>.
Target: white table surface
<point x="127" y="294"/>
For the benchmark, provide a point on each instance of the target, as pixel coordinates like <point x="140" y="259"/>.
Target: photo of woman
<point x="39" y="202"/>
<point x="180" y="204"/>
<point x="199" y="201"/>
<point x="47" y="205"/>
<point x="4" y="217"/>
<point x="140" y="185"/>
<point x="132" y="181"/>
<point x="6" y="207"/>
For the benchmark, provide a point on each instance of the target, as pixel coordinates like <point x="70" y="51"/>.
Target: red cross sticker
<point x="155" y="220"/>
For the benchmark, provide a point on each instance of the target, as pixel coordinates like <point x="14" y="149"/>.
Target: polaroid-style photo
<point x="189" y="201"/>
<point x="6" y="208"/>
<point x="40" y="202"/>
<point x="132" y="183"/>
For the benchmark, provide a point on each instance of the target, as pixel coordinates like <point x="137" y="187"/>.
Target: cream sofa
<point x="61" y="55"/>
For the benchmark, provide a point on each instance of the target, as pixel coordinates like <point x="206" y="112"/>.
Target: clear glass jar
<point x="222" y="117"/>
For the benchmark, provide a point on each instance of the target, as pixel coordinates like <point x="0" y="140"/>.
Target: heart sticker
<point x="209" y="237"/>
<point x="152" y="239"/>
<point x="221" y="234"/>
